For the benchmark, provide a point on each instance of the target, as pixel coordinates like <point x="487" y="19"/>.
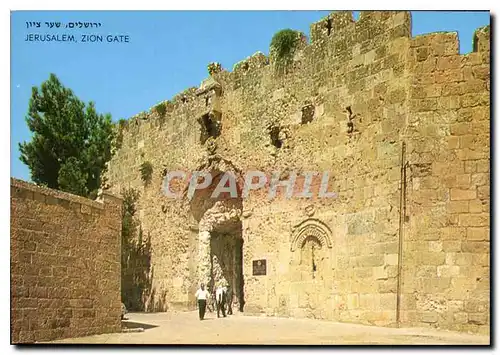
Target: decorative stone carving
<point x="309" y="210"/>
<point x="311" y="227"/>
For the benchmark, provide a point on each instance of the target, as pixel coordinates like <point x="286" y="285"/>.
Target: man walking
<point x="202" y="296"/>
<point x="221" y="300"/>
<point x="229" y="300"/>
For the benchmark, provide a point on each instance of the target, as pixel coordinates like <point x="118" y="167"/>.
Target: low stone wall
<point x="65" y="264"/>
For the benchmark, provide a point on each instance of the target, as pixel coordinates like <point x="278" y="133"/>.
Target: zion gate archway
<point x="219" y="256"/>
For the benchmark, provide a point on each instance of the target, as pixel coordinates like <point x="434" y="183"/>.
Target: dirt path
<point x="185" y="328"/>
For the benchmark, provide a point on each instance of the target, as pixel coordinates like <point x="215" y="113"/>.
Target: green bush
<point x="283" y="46"/>
<point x="146" y="172"/>
<point x="161" y="108"/>
<point x="214" y="68"/>
<point x="122" y="123"/>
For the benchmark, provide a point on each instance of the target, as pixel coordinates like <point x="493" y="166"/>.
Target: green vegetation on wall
<point x="283" y="46"/>
<point x="161" y="109"/>
<point x="146" y="172"/>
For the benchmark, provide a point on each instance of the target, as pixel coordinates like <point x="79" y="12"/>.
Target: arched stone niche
<point x="311" y="228"/>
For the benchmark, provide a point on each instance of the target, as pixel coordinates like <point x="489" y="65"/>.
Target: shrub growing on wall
<point x="146" y="172"/>
<point x="214" y="68"/>
<point x="283" y="46"/>
<point x="122" y="123"/>
<point x="161" y="108"/>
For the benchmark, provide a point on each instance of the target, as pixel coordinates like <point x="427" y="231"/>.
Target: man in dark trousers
<point x="229" y="300"/>
<point x="221" y="300"/>
<point x="202" y="297"/>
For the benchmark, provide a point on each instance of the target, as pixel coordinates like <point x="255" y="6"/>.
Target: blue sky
<point x="168" y="52"/>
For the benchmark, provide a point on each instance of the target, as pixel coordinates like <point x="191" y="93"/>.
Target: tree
<point x="71" y="142"/>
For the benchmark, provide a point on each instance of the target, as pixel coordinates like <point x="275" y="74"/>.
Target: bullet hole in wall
<point x="329" y="26"/>
<point x="307" y="113"/>
<point x="209" y="128"/>
<point x="274" y="134"/>
<point x="350" y="123"/>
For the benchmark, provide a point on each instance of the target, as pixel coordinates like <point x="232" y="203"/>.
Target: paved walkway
<point x="186" y="328"/>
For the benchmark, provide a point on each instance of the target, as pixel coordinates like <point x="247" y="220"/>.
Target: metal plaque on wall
<point x="259" y="267"/>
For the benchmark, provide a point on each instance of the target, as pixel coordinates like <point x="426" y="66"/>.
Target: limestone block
<point x="483" y="192"/>
<point x="474" y="220"/>
<point x="476" y="306"/>
<point x="360" y="223"/>
<point x="387" y="286"/>
<point x="367" y="301"/>
<point x="385" y="318"/>
<point x="388" y="301"/>
<point x="459" y="194"/>
<point x="478" y="233"/>
<point x="483" y="166"/>
<point x="455" y="306"/>
<point x="370" y="260"/>
<point x="431" y="258"/>
<point x="448" y="270"/>
<point x="460" y="317"/>
<point x="450" y="258"/>
<point x="426" y="271"/>
<point x="475" y="206"/>
<point x="428" y="317"/>
<point x="353" y="301"/>
<point x="365" y="272"/>
<point x="475" y="247"/>
<point x="432" y="285"/>
<point x="464" y="259"/>
<point x="178" y="282"/>
<point x="480" y="179"/>
<point x="477" y="318"/>
<point x="391" y="259"/>
<point x="294" y="301"/>
<point x="453" y="233"/>
<point x="435" y="246"/>
<point x="459" y="206"/>
<point x="408" y="301"/>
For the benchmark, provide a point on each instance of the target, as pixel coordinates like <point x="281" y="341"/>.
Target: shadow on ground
<point x="131" y="325"/>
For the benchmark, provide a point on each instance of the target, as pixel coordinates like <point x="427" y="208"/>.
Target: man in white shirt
<point x="221" y="300"/>
<point x="202" y="296"/>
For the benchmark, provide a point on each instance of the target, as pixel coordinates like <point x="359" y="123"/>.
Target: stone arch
<point x="202" y="202"/>
<point x="311" y="227"/>
<point x="220" y="241"/>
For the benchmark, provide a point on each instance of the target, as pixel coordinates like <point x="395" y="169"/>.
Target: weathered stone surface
<point x="352" y="99"/>
<point x="69" y="282"/>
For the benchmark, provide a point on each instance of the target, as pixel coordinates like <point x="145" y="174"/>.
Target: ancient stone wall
<point x="331" y="258"/>
<point x="65" y="264"/>
<point x="446" y="255"/>
<point x="360" y="65"/>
